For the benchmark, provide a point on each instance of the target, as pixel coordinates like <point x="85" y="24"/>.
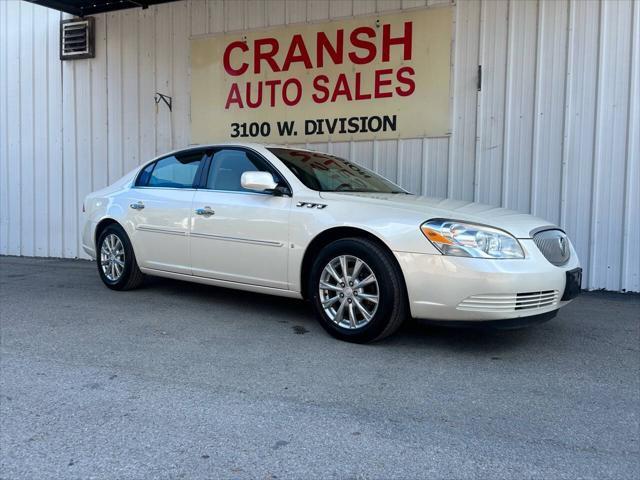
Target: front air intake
<point x="554" y="245"/>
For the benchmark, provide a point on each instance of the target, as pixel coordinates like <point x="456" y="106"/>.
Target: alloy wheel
<point x="112" y="257"/>
<point x="349" y="292"/>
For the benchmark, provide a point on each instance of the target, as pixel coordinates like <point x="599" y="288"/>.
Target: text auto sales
<point x="359" y="48"/>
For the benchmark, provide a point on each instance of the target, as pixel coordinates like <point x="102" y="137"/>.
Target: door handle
<point x="205" y="212"/>
<point x="137" y="206"/>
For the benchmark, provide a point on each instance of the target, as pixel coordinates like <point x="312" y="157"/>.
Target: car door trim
<point x="146" y="228"/>
<point x="266" y="243"/>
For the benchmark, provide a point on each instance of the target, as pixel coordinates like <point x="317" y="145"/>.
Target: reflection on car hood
<point x="518" y="224"/>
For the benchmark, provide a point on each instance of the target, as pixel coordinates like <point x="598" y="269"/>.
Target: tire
<point x="128" y="275"/>
<point x="385" y="316"/>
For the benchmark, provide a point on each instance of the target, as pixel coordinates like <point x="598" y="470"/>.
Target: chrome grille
<point x="554" y="245"/>
<point x="509" y="302"/>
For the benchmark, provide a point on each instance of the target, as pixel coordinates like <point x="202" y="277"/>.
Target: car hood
<point x="518" y="224"/>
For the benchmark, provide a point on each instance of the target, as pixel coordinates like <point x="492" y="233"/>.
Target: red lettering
<point x="359" y="94"/>
<point x="226" y="58"/>
<point x="258" y="101"/>
<point x="272" y="94"/>
<point x="342" y="88"/>
<point x="234" y="97"/>
<point x="367" y="45"/>
<point x="380" y="82"/>
<point x="285" y="89"/>
<point x="267" y="55"/>
<point x="324" y="45"/>
<point x="388" y="41"/>
<point x="297" y="43"/>
<point x="319" y="84"/>
<point x="406" y="80"/>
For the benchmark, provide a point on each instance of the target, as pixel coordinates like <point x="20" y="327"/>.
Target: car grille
<point x="509" y="302"/>
<point x="554" y="245"/>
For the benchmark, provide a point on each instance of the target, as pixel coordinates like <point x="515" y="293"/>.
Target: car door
<point x="159" y="209"/>
<point x="239" y="235"/>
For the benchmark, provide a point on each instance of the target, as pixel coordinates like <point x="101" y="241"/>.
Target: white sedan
<point x="303" y="224"/>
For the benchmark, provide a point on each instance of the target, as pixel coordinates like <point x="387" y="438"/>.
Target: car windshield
<point x="326" y="173"/>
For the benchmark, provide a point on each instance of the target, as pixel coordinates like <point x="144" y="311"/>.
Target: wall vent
<point x="76" y="38"/>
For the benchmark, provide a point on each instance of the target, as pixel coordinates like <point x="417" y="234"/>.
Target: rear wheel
<point x="357" y="291"/>
<point x="116" y="261"/>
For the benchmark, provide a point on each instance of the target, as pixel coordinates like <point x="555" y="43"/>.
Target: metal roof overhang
<point x="80" y="8"/>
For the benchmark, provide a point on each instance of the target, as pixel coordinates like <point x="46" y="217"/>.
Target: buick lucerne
<point x="296" y="223"/>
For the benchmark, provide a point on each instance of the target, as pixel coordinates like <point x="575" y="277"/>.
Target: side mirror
<point x="258" y="181"/>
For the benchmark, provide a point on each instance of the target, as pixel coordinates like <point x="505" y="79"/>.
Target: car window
<point x="173" y="172"/>
<point x="145" y="174"/>
<point x="227" y="167"/>
<point x="327" y="173"/>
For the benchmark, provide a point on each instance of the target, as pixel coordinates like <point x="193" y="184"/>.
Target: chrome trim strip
<point x="265" y="243"/>
<point x="144" y="228"/>
<point x="546" y="227"/>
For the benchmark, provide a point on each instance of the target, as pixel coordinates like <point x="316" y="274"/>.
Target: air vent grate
<point x="76" y="39"/>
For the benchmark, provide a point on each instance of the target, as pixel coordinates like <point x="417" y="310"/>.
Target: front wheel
<point x="357" y="291"/>
<point x="117" y="264"/>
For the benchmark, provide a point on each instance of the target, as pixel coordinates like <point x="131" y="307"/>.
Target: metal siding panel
<point x="410" y="164"/>
<point x="234" y="15"/>
<point x="364" y="7"/>
<point x="13" y="128"/>
<point x="41" y="130"/>
<point x="26" y="119"/>
<point x="256" y="14"/>
<point x="630" y="280"/>
<point x="518" y="136"/>
<point x="276" y="12"/>
<point x="318" y="147"/>
<point x="340" y="149"/>
<point x="146" y="84"/>
<point x="465" y="96"/>
<point x="163" y="64"/>
<point x="130" y="94"/>
<point x="317" y="10"/>
<point x="99" y="107"/>
<point x="575" y="213"/>
<point x="491" y="102"/>
<point x="199" y="10"/>
<point x="388" y="5"/>
<point x="296" y="11"/>
<point x="115" y="91"/>
<point x="385" y="158"/>
<point x="181" y="89"/>
<point x="611" y="144"/>
<point x="436" y="167"/>
<point x="54" y="138"/>
<point x="4" y="141"/>
<point x="69" y="161"/>
<point x="413" y="4"/>
<point x="362" y="153"/>
<point x="340" y="8"/>
<point x="216" y="9"/>
<point x="549" y="110"/>
<point x="84" y="148"/>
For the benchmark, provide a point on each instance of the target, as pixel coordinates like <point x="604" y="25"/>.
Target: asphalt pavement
<point x="178" y="380"/>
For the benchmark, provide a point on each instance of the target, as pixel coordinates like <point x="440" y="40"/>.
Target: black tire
<point x="392" y="304"/>
<point x="131" y="276"/>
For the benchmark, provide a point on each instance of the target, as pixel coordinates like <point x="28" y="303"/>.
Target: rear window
<point x="171" y="172"/>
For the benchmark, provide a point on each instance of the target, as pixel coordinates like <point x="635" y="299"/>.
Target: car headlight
<point x="463" y="239"/>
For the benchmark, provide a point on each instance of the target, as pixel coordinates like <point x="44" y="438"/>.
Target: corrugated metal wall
<point x="554" y="130"/>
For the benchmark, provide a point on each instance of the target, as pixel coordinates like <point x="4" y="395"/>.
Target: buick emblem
<point x="562" y="242"/>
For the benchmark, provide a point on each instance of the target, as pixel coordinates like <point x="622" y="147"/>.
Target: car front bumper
<point x="475" y="289"/>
